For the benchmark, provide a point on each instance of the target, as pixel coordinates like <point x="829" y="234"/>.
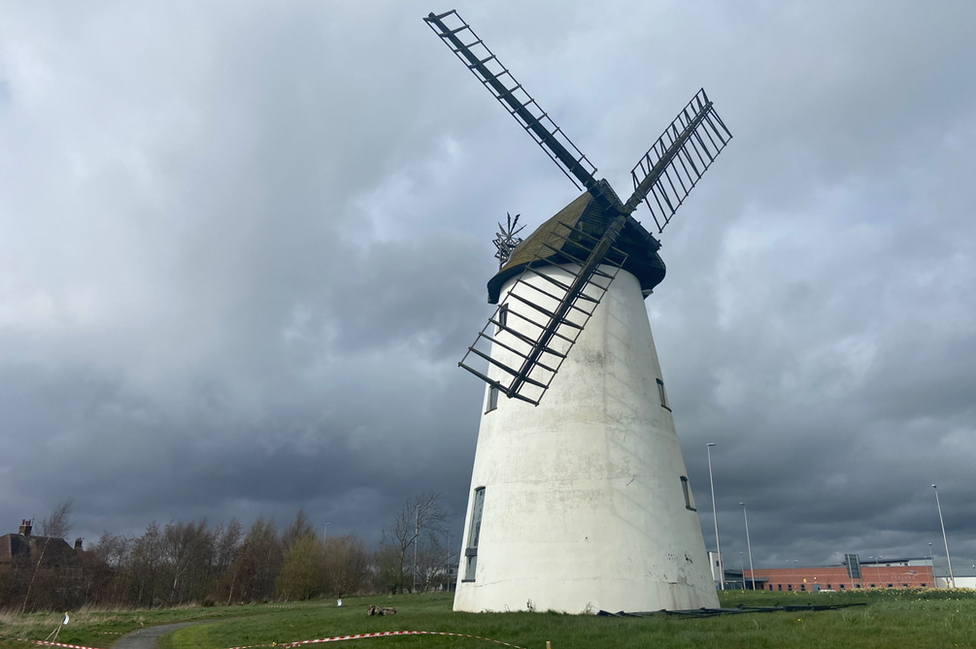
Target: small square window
<point x="803" y="586"/>
<point x="492" y="398"/>
<point x="778" y="586"/>
<point x="842" y="586"/>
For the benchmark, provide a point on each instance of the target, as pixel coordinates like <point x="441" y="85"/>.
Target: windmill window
<point x="492" y="398"/>
<point x="502" y="316"/>
<point x="474" y="535"/>
<point x="689" y="499"/>
<point x="664" y="395"/>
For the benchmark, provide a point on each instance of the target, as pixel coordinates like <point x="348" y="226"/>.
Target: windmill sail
<point x="510" y="94"/>
<point x="540" y="318"/>
<point x="674" y="164"/>
<point x="554" y="305"/>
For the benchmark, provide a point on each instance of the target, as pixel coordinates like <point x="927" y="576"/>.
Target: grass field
<point x="894" y="618"/>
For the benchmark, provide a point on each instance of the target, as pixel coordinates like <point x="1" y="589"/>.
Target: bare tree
<point x="257" y="563"/>
<point x="147" y="566"/>
<point x="54" y="527"/>
<point x="433" y="562"/>
<point x="189" y="553"/>
<point x="346" y="563"/>
<point x="421" y="517"/>
<point x="298" y="528"/>
<point x="114" y="552"/>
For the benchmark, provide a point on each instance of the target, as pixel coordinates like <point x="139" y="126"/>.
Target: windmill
<point x="581" y="501"/>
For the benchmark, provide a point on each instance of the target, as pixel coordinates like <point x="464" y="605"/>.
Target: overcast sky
<point x="244" y="244"/>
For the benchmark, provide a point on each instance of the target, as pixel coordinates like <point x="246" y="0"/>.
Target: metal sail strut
<point x="510" y="93"/>
<point x="551" y="313"/>
<point x="683" y="153"/>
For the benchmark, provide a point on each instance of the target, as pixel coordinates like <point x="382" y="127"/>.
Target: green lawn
<point x="903" y="619"/>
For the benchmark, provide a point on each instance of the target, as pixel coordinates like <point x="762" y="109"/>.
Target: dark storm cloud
<point x="242" y="248"/>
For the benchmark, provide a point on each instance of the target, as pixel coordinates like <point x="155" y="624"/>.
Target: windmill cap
<point x="641" y="247"/>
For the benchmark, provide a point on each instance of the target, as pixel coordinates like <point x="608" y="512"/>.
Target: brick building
<point x="897" y="573"/>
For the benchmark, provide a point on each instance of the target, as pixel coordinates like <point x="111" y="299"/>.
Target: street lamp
<point x="752" y="570"/>
<point x="742" y="571"/>
<point x="793" y="568"/>
<point x="718" y="546"/>
<point x="878" y="566"/>
<point x="932" y="561"/>
<point x="952" y="578"/>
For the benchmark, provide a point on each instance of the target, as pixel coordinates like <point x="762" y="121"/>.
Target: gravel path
<point x="146" y="638"/>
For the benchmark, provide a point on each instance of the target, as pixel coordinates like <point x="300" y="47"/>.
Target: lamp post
<point x="325" y="534"/>
<point x="793" y="568"/>
<point x="952" y="578"/>
<point x="752" y="570"/>
<point x="932" y="561"/>
<point x="718" y="546"/>
<point x="742" y="571"/>
<point x="878" y="566"/>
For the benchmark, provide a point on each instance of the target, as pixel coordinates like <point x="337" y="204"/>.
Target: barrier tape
<point x="298" y="643"/>
<point x="382" y="634"/>
<point x="45" y="643"/>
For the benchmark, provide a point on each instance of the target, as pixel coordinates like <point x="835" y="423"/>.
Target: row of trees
<point x="196" y="562"/>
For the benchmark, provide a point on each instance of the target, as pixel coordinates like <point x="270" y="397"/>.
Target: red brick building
<point x="898" y="573"/>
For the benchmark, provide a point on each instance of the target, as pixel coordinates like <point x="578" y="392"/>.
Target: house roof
<point x="14" y="545"/>
<point x="587" y="214"/>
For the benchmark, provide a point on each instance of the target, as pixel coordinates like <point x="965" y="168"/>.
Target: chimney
<point x="78" y="545"/>
<point x="25" y="527"/>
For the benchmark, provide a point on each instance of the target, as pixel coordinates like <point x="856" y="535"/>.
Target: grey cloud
<point x="242" y="248"/>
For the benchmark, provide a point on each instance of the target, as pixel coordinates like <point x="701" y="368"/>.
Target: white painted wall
<point x="584" y="508"/>
<point x="944" y="582"/>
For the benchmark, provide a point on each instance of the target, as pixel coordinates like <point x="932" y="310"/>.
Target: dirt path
<point x="146" y="638"/>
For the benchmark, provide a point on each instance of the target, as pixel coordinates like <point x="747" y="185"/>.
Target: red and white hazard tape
<point x="378" y="634"/>
<point x="338" y="638"/>
<point x="382" y="634"/>
<point x="45" y="643"/>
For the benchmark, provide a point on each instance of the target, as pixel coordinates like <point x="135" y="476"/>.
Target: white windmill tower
<point x="581" y="502"/>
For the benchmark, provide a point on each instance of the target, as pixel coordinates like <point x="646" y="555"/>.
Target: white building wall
<point x="584" y="507"/>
